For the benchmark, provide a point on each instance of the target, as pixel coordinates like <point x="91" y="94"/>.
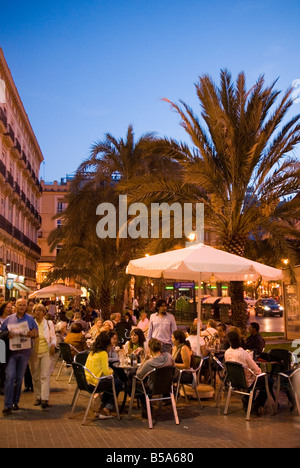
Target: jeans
<point x="166" y="348"/>
<point x="15" y="371"/>
<point x="107" y="397"/>
<point x="261" y="393"/>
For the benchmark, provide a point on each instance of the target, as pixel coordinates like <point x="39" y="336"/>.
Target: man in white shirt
<point x="135" y="307"/>
<point x="162" y="325"/>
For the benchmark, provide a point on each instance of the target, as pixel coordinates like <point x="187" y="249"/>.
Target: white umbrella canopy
<point x="190" y="262"/>
<point x="56" y="290"/>
<point x="201" y="262"/>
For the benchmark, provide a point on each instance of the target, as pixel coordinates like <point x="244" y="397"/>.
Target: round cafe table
<point x="125" y="372"/>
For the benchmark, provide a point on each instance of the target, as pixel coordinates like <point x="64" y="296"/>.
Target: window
<point x="60" y="206"/>
<point x="10" y="213"/>
<point x="58" y="249"/>
<point x="2" y="206"/>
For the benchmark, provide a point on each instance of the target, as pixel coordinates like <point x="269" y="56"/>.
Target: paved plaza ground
<point x="32" y="427"/>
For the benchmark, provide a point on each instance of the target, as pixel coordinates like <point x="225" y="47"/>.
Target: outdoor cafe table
<point x="124" y="372"/>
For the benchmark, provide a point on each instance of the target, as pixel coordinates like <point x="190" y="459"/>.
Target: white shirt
<point x="143" y="324"/>
<point x="162" y="327"/>
<point x="193" y="340"/>
<point x="243" y="357"/>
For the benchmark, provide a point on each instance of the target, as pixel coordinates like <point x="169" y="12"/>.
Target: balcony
<point x="18" y="235"/>
<point x="31" y="245"/>
<point x="9" y="136"/>
<point x="2" y="170"/>
<point x="10" y="179"/>
<point x="3" y="121"/>
<point x="16" y="150"/>
<point x="23" y="158"/>
<point x="17" y="189"/>
<point x="6" y="225"/>
<point x="28" y="168"/>
<point x="23" y="197"/>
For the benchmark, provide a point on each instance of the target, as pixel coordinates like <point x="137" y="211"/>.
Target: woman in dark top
<point x="183" y="355"/>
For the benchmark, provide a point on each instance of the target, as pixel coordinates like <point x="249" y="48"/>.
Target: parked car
<point x="268" y="308"/>
<point x="250" y="301"/>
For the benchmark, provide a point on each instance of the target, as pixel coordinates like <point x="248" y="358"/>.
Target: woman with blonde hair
<point x="96" y="329"/>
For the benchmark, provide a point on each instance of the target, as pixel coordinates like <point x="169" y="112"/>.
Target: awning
<point x="25" y="288"/>
<point x="17" y="287"/>
<point x="21" y="287"/>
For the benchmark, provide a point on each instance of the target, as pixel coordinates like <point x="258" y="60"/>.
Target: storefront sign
<point x="9" y="283"/>
<point x="184" y="285"/>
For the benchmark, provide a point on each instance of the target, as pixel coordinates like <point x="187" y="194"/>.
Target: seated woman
<point x="143" y="323"/>
<point x="211" y="329"/>
<point x="182" y="355"/>
<point x="96" y="329"/>
<point x="237" y="354"/>
<point x="112" y="353"/>
<point x="97" y="363"/>
<point x="155" y="359"/>
<point x="76" y="338"/>
<point x="107" y="326"/>
<point x="193" y="339"/>
<point x="136" y="344"/>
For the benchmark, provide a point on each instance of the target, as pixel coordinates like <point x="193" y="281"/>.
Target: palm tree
<point x="100" y="264"/>
<point x="241" y="166"/>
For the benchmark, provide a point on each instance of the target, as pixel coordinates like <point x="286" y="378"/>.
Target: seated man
<point x="255" y="341"/>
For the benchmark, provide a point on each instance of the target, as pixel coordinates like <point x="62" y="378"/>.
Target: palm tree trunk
<point x="238" y="306"/>
<point x="105" y="302"/>
<point x="235" y="244"/>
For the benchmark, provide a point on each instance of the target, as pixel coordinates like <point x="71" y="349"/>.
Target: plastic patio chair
<point x="84" y="388"/>
<point x="237" y="384"/>
<point x="81" y="357"/>
<point x="67" y="357"/>
<point x="292" y="378"/>
<point x="281" y="360"/>
<point x="222" y="373"/>
<point x="162" y="389"/>
<point x="195" y="382"/>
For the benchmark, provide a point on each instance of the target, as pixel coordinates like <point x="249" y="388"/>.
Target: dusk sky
<point x="86" y="68"/>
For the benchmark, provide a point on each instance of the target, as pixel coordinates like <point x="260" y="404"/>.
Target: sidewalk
<point x="32" y="427"/>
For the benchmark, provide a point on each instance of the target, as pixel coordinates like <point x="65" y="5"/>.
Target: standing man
<point x="162" y="325"/>
<point x="136" y="308"/>
<point x="22" y="329"/>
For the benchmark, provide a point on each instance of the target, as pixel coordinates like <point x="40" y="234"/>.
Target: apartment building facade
<point x="20" y="191"/>
<point x="52" y="203"/>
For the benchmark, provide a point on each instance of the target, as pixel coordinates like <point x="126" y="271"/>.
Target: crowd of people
<point x="33" y="332"/>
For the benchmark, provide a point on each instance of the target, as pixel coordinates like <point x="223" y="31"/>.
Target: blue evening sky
<point x="86" y="68"/>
